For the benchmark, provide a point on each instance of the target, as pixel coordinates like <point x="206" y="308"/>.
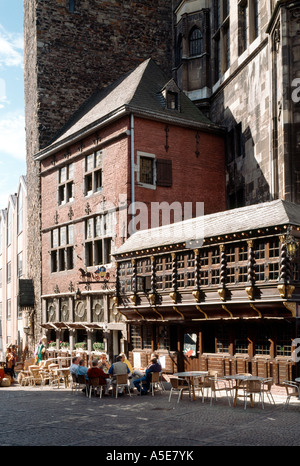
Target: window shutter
<point x="164" y="172"/>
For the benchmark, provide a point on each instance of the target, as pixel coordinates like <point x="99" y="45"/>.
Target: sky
<point x="12" y="115"/>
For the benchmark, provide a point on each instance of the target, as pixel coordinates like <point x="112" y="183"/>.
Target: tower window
<point x="195" y="42"/>
<point x="71" y="5"/>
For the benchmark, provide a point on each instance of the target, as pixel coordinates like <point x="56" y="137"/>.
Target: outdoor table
<point x="241" y="378"/>
<point x="62" y="372"/>
<point x="190" y="375"/>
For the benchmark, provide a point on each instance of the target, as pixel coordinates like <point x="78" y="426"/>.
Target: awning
<point x="212" y="311"/>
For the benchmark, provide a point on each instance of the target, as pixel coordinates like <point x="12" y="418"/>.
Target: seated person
<point x="104" y="364"/>
<point x="74" y="365"/>
<point x="118" y="368"/>
<point x="124" y="359"/>
<point x="97" y="372"/>
<point x="81" y="369"/>
<point x="145" y="381"/>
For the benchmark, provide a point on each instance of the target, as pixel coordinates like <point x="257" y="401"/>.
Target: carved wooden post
<point x="285" y="288"/>
<point x="173" y="294"/>
<point x="250" y="270"/>
<point x="133" y="281"/>
<point x="117" y="274"/>
<point x="222" y="290"/>
<point x="197" y="282"/>
<point x="152" y="295"/>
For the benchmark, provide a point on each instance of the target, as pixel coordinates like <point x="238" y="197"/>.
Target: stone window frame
<point x="93" y="173"/>
<point x="221" y="37"/>
<point x="195" y="42"/>
<point x="248" y="23"/>
<point x="62" y="250"/>
<point x="98" y="242"/>
<point x="66" y="184"/>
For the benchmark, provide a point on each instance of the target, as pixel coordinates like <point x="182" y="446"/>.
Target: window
<point x="66" y="184"/>
<point x="235" y="144"/>
<point x="62" y="249"/>
<point x="8" y="310"/>
<point x="71" y="5"/>
<point x="172" y="100"/>
<point x="195" y="42"/>
<point x="20" y="212"/>
<point x="8" y="272"/>
<point x="179" y="50"/>
<point x="221" y="37"/>
<point x="93" y="180"/>
<point x="248" y="23"/>
<point x="8" y="226"/>
<point x="99" y="232"/>
<point x="153" y="172"/>
<point x="20" y="265"/>
<point x="146" y="170"/>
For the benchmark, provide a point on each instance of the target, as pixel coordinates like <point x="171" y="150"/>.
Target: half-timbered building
<point x="218" y="292"/>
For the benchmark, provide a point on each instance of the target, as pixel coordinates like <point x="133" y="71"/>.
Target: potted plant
<point x="81" y="346"/>
<point x="64" y="345"/>
<point x="98" y="346"/>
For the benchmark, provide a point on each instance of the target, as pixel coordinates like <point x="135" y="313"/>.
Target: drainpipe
<point x="132" y="170"/>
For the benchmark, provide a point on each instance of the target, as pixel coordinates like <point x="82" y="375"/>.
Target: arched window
<point x="195" y="42"/>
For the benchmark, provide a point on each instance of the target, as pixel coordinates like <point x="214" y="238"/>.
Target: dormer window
<point x="170" y="94"/>
<point x="172" y="100"/>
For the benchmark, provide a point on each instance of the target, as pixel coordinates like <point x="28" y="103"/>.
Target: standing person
<point x="154" y="366"/>
<point x="15" y="358"/>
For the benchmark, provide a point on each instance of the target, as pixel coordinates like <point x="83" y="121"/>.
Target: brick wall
<point x="194" y="179"/>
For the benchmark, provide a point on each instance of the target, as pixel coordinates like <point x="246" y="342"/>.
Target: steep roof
<point x="139" y="91"/>
<point x="248" y="218"/>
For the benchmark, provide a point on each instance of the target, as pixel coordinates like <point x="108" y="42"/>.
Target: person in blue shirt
<point x="143" y="387"/>
<point x="81" y="369"/>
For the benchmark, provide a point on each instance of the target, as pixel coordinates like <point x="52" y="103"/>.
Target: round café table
<point x="190" y="376"/>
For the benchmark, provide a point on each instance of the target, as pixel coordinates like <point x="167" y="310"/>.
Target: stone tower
<point x="72" y="48"/>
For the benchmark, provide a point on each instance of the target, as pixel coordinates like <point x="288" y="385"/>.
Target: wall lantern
<point x="291" y="244"/>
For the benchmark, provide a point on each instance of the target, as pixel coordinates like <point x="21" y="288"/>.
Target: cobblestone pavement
<point x="35" y="416"/>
